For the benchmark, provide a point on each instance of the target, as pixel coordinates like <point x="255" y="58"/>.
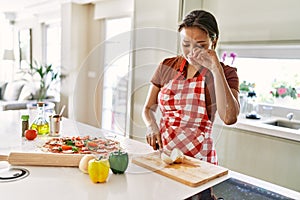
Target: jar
<point x="55" y="121"/>
<point x="25" y="124"/>
<point x="40" y="123"/>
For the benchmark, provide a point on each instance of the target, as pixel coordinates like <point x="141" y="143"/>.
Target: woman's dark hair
<point x="203" y="20"/>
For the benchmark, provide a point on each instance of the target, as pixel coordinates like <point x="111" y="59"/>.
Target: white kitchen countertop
<point x="259" y="126"/>
<point x="70" y="183"/>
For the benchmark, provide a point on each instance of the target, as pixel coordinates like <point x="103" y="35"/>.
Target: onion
<point x="166" y="158"/>
<point x="83" y="164"/>
<point x="177" y="156"/>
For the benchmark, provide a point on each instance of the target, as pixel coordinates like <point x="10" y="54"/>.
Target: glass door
<point x="116" y="75"/>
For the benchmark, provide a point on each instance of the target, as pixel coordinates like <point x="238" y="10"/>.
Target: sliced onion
<point x="177" y="156"/>
<point x="166" y="158"/>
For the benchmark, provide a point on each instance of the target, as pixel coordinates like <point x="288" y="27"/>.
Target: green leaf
<point x="70" y="143"/>
<point x="74" y="149"/>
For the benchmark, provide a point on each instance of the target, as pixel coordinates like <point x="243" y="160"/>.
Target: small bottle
<point x="40" y="123"/>
<point x="252" y="106"/>
<point x="25" y="124"/>
<point x="251" y="102"/>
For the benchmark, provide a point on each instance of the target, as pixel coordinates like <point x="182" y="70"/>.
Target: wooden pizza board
<point x="191" y="172"/>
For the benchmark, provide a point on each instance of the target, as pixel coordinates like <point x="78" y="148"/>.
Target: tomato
<point x="66" y="147"/>
<point x="78" y="138"/>
<point x="30" y="134"/>
<point x="79" y="144"/>
<point x="92" y="144"/>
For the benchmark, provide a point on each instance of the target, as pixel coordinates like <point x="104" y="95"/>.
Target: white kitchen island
<point x="70" y="183"/>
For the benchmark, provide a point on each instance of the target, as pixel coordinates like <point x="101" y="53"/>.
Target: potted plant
<point x="47" y="76"/>
<point x="284" y="93"/>
<point x="282" y="90"/>
<point x="246" y="87"/>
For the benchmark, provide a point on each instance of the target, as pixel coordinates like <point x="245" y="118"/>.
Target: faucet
<point x="290" y="116"/>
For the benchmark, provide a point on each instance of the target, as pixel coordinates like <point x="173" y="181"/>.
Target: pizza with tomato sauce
<point x="81" y="145"/>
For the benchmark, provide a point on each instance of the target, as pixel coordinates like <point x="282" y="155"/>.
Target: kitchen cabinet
<point x="267" y="157"/>
<point x="244" y="21"/>
<point x="256" y="20"/>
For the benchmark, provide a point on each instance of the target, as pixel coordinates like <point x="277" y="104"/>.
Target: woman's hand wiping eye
<point x="203" y="57"/>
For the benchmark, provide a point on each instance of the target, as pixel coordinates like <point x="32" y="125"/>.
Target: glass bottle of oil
<point x="40" y="123"/>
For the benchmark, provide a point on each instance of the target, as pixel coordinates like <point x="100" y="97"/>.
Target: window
<point x="268" y="67"/>
<point x="116" y="72"/>
<point x="8" y="66"/>
<point x="53" y="44"/>
<point x="52" y="53"/>
<point x="264" y="73"/>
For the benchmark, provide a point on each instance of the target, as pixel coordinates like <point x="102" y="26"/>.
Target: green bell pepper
<point x="118" y="162"/>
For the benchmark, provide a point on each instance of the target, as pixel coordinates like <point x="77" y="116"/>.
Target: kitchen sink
<point x="285" y="124"/>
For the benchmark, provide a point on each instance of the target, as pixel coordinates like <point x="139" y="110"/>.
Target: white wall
<point x="80" y="35"/>
<point x="113" y="8"/>
<point x="155" y="38"/>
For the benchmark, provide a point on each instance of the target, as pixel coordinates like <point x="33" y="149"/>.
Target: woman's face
<point x="192" y="38"/>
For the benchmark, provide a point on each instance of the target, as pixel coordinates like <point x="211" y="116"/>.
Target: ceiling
<point x="21" y="5"/>
<point x="33" y="7"/>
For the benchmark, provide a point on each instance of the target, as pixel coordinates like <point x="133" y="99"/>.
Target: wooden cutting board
<point x="191" y="172"/>
<point x="42" y="159"/>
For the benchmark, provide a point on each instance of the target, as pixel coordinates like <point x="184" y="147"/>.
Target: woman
<point x="189" y="89"/>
